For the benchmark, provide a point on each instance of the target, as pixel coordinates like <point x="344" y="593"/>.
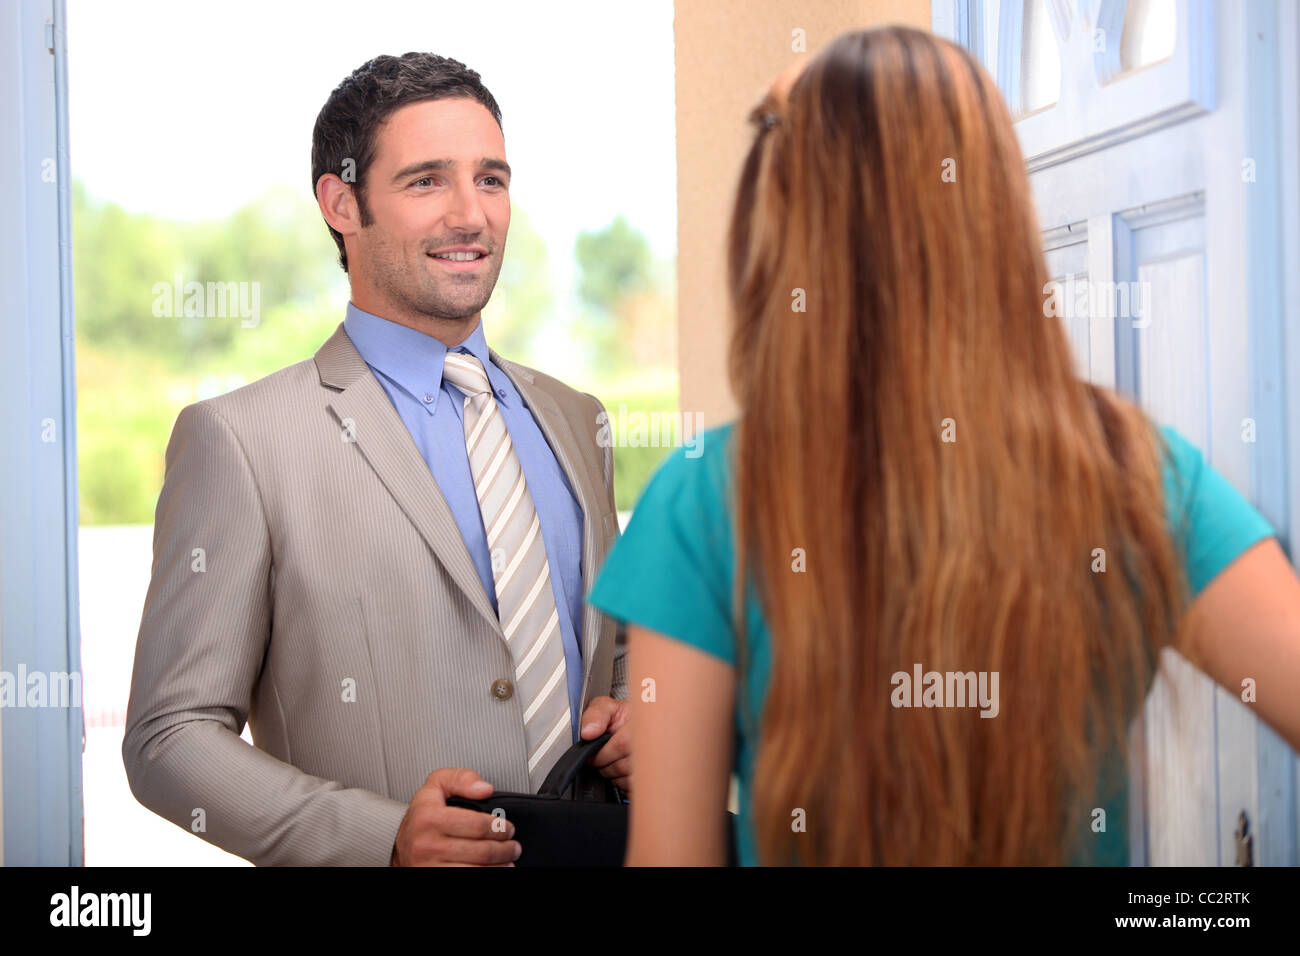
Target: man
<point x="378" y="556"/>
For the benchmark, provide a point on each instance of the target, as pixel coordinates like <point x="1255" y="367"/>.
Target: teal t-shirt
<point x="672" y="572"/>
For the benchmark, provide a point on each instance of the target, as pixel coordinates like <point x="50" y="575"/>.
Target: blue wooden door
<point x="1160" y="138"/>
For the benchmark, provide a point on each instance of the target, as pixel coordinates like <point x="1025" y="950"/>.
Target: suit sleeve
<point x="618" y="685"/>
<point x="202" y="642"/>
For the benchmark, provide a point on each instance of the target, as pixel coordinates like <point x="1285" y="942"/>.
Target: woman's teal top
<point x="672" y="572"/>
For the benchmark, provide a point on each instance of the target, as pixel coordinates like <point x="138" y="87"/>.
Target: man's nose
<point x="464" y="211"/>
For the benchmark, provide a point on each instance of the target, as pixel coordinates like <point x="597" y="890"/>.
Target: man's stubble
<point x="453" y="297"/>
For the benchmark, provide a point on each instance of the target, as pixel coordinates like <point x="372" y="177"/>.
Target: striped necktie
<point x="520" y="571"/>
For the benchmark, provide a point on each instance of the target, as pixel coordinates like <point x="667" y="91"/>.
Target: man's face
<point x="439" y="183"/>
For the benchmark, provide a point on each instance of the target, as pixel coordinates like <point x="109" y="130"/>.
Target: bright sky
<point x="190" y="109"/>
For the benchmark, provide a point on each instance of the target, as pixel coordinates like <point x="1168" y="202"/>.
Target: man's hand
<point x="434" y="834"/>
<point x="613" y="760"/>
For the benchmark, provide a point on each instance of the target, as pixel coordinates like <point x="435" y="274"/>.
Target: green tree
<point x="615" y="262"/>
<point x="615" y="266"/>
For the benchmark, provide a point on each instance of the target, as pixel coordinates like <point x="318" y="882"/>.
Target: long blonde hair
<point x="919" y="431"/>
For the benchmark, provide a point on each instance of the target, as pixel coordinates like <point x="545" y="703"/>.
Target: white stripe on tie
<point x="527" y="609"/>
<point x="546" y="744"/>
<point x="550" y="684"/>
<point x="542" y="578"/>
<point x="531" y="656"/>
<point x="479" y="428"/>
<point x="504" y="581"/>
<point x="507" y="509"/>
<point x="503" y="453"/>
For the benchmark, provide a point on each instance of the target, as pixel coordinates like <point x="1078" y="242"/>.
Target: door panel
<point x="1147" y="186"/>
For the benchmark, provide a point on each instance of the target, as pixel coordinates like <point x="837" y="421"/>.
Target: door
<point x="40" y="683"/>
<point x="1160" y="138"/>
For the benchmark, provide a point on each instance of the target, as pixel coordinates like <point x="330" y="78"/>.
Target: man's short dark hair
<point x="348" y="123"/>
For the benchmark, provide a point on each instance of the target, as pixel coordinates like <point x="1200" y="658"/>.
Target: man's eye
<point x="496" y="180"/>
<point x="425" y="179"/>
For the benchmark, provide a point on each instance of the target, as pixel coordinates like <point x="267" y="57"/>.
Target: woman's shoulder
<point x="670" y="570"/>
<point x="1211" y="522"/>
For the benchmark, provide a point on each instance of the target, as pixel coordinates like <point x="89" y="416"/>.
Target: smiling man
<point x="377" y="557"/>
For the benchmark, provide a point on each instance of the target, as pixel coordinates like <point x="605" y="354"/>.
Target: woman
<point x="917" y="482"/>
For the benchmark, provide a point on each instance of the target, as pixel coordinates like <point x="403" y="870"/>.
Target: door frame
<point x="40" y="753"/>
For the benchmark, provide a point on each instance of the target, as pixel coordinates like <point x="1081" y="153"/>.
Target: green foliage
<point x="615" y="262"/>
<point x="127" y="267"/>
<point x="136" y="370"/>
<point x="614" y="266"/>
<point x="126" y="404"/>
<point x="633" y="469"/>
<point x="117" y="257"/>
<point x="633" y="466"/>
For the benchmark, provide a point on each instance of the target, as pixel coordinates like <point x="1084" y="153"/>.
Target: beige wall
<point x="727" y="54"/>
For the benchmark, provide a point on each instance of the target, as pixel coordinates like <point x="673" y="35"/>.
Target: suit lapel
<point x="363" y="406"/>
<point x="382" y="437"/>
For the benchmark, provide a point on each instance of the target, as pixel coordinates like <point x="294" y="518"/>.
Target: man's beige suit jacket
<point x="309" y="579"/>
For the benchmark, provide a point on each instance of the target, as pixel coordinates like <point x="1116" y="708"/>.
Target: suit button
<point x="502" y="689"/>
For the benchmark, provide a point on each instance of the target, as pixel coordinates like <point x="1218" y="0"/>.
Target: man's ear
<point x="338" y="204"/>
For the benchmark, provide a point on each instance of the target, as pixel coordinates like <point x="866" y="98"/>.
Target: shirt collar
<point x="414" y="360"/>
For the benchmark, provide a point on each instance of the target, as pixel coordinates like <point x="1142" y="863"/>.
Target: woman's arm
<point x="1246" y="624"/>
<point x="682" y="744"/>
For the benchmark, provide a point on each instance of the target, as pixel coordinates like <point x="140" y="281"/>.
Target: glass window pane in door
<point x="1150" y="28"/>
<point x="1040" y="61"/>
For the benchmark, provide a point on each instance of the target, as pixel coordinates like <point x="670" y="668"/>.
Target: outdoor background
<point x="190" y="130"/>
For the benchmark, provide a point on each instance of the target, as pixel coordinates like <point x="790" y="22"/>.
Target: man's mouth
<point x="460" y="261"/>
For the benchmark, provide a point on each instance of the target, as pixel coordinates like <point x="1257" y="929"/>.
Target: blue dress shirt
<point x="409" y="366"/>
